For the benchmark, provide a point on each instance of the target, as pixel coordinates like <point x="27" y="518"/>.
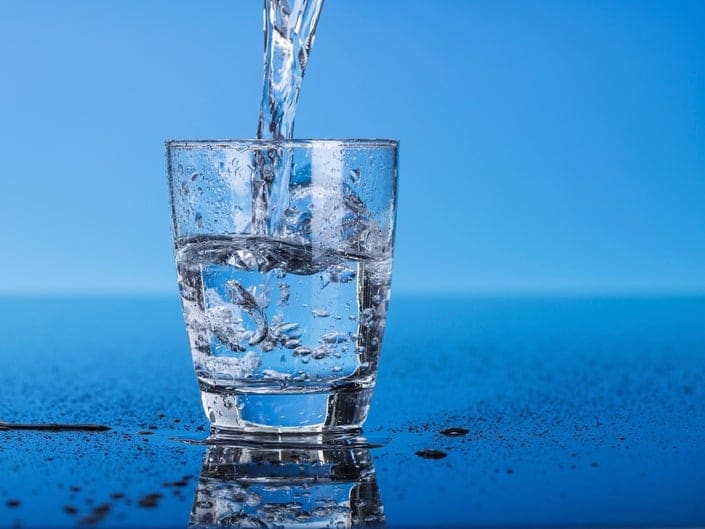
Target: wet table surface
<point x="578" y="411"/>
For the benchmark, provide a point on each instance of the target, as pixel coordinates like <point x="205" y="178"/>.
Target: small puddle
<point x="53" y="427"/>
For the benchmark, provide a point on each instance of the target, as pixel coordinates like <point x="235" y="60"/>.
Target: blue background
<point x="546" y="146"/>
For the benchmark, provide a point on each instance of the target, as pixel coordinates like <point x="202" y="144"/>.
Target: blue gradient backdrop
<point x="546" y="146"/>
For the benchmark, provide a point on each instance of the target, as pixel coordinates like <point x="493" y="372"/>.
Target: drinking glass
<point x="283" y="255"/>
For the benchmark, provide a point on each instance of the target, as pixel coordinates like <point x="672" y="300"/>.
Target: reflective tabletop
<point x="489" y="411"/>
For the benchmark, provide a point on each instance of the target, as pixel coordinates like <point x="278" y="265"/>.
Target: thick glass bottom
<point x="327" y="410"/>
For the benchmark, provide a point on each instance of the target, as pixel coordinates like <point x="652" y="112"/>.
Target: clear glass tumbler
<point x="284" y="254"/>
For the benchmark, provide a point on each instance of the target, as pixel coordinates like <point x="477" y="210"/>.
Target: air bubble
<point x="334" y="337"/>
<point x="303" y="351"/>
<point x="287" y="330"/>
<point x="320" y="353"/>
<point x="284" y="293"/>
<point x="276" y="375"/>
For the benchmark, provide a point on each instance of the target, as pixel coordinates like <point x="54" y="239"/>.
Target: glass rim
<point x="290" y="143"/>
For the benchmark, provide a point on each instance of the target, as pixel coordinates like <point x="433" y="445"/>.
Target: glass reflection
<point x="312" y="487"/>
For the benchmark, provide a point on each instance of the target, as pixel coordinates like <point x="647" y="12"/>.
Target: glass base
<point x="329" y="410"/>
